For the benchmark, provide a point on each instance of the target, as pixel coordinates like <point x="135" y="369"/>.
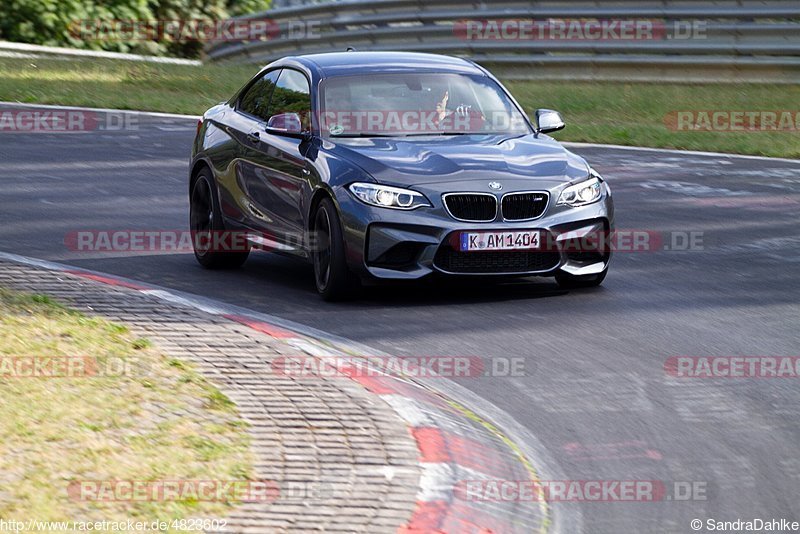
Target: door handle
<point x="254" y="137"/>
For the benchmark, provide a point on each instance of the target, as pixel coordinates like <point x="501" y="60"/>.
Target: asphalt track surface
<point x="594" y="392"/>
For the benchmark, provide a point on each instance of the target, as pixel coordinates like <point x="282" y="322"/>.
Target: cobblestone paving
<point x="328" y="435"/>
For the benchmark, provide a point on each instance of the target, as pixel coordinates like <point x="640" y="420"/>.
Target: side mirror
<point x="285" y="123"/>
<point x="548" y="121"/>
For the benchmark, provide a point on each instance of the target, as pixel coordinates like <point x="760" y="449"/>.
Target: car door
<point x="275" y="171"/>
<point x="245" y="126"/>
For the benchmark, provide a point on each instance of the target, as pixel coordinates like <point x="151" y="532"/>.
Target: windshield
<point x="417" y="104"/>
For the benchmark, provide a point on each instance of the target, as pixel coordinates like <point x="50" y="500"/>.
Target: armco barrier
<point x="734" y="40"/>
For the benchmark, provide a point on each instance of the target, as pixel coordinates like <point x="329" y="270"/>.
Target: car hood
<point x="416" y="161"/>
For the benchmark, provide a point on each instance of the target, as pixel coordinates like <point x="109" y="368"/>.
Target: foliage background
<point x="48" y="22"/>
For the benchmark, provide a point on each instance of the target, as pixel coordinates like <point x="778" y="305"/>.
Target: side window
<point x="255" y="101"/>
<point x="292" y="94"/>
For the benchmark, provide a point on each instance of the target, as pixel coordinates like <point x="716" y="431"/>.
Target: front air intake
<point x="471" y="207"/>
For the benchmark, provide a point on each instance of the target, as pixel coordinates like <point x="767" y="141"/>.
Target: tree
<point x="116" y="25"/>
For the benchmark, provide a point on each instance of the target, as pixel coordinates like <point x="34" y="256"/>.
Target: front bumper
<point x="405" y="245"/>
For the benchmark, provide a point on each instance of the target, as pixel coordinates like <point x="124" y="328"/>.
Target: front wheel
<point x="331" y="274"/>
<point x="570" y="281"/>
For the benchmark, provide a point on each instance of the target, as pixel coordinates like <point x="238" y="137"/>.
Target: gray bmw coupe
<point x="379" y="165"/>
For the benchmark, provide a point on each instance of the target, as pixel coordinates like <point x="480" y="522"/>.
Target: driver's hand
<point x="441" y="107"/>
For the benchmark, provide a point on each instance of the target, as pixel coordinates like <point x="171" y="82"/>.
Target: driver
<point x="461" y="119"/>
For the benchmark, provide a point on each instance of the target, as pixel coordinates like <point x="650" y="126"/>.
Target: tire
<point x="568" y="281"/>
<point x="205" y="218"/>
<point x="332" y="276"/>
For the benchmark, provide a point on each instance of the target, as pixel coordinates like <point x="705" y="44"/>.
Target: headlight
<point x="384" y="196"/>
<point x="583" y="193"/>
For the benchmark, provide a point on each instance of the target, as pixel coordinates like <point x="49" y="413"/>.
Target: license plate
<point x="477" y="241"/>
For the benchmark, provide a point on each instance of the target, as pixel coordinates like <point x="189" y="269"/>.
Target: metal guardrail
<point x="740" y="40"/>
<point x="23" y="50"/>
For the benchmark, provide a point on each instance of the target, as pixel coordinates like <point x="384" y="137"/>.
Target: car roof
<point x="350" y="63"/>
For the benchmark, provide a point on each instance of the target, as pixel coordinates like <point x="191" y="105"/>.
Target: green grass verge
<point x="120" y="84"/>
<point x="617" y="113"/>
<point x="634" y="113"/>
<point x="154" y="419"/>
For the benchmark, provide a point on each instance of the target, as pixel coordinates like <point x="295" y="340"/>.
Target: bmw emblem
<point x="497" y="186"/>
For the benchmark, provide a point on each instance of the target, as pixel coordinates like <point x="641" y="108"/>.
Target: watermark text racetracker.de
<point x="76" y="367"/>
<point x="185" y="490"/>
<point x="193" y="30"/>
<point x="405" y="366"/>
<point x="733" y="121"/>
<point x="33" y="120"/>
<point x="48" y="367"/>
<point x="733" y="366"/>
<point x="607" y="491"/>
<point x="578" y="29"/>
<point x="185" y="241"/>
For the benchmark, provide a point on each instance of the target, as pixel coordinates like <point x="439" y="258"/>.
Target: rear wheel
<point x="333" y="277"/>
<point x="569" y="281"/>
<point x="205" y="222"/>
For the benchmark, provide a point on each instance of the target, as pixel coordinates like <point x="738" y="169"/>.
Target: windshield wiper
<point x="512" y="137"/>
<point x="420" y="134"/>
<point x="362" y="134"/>
<point x="416" y="134"/>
